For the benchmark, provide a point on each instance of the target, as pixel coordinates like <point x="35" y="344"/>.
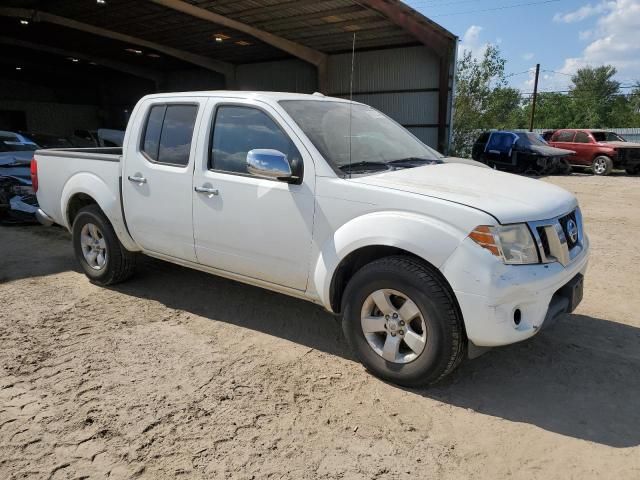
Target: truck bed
<point x="62" y="173"/>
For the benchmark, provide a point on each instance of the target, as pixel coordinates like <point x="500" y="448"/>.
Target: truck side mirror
<point x="271" y="164"/>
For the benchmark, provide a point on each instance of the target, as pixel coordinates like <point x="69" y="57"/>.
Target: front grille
<point x="564" y="222"/>
<point x="559" y="239"/>
<point x="544" y="240"/>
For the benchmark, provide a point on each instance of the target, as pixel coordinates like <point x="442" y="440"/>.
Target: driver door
<point x="255" y="227"/>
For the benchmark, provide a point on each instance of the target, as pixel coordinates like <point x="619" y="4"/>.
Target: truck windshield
<point x="529" y="138"/>
<point x="375" y="138"/>
<point x="607" y="137"/>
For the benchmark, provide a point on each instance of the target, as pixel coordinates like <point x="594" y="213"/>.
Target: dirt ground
<point x="178" y="374"/>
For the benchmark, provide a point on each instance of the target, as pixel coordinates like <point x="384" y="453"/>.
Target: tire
<point x="444" y="342"/>
<point x="117" y="265"/>
<point x="564" y="167"/>
<point x="602" y="166"/>
<point x="633" y="170"/>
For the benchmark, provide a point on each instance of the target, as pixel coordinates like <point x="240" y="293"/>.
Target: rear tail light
<point x="34" y="174"/>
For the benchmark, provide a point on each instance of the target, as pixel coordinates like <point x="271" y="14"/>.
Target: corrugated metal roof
<point x="324" y="25"/>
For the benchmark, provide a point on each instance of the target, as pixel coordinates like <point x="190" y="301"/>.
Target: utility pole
<point x="535" y="98"/>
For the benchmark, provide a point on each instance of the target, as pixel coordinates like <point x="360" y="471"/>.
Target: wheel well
<point x="596" y="155"/>
<point x="77" y="202"/>
<point x="354" y="262"/>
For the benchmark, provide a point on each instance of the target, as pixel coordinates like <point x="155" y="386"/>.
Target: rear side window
<point x="563" y="136"/>
<point x="237" y="130"/>
<point x="168" y="133"/>
<point x="582" y="137"/>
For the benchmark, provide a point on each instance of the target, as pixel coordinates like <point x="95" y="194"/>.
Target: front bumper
<point x="490" y="293"/>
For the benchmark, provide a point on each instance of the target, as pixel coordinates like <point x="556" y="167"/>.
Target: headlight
<point x="513" y="244"/>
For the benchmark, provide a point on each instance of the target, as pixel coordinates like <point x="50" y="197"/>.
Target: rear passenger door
<point x="583" y="145"/>
<point x="563" y="139"/>
<point x="158" y="175"/>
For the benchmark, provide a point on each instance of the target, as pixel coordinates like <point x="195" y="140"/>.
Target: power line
<point x="485" y="10"/>
<point x="519" y="73"/>
<point x="559" y="73"/>
<point x="581" y="90"/>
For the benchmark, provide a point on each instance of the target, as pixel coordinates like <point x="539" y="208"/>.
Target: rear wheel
<point x="402" y="322"/>
<point x="97" y="248"/>
<point x="602" y="166"/>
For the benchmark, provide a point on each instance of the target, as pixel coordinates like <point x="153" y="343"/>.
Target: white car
<point x="426" y="258"/>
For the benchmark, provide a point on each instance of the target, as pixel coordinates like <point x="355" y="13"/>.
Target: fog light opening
<point x="517" y="317"/>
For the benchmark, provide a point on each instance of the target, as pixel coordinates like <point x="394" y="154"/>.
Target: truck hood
<point x="548" y="151"/>
<point x="507" y="197"/>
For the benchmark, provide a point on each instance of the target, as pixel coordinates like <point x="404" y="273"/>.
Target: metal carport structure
<point x="404" y="62"/>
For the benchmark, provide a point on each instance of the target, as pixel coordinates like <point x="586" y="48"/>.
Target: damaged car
<point x="521" y="152"/>
<point x="600" y="150"/>
<point x="18" y="204"/>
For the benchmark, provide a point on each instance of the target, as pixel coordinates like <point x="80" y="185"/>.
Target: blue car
<point x="520" y="152"/>
<point x="18" y="203"/>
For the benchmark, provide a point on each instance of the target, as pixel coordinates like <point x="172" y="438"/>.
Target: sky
<point x="561" y="35"/>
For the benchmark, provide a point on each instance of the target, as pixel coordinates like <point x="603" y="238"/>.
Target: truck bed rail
<point x="106" y="154"/>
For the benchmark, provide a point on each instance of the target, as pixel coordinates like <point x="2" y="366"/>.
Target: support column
<point x="323" y="77"/>
<point x="443" y="102"/>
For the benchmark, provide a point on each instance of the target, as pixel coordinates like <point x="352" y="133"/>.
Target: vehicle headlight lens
<point x="513" y="244"/>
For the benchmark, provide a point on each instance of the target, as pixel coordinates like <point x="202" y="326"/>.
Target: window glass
<point x="501" y="142"/>
<point x="563" y="136"/>
<point x="240" y="129"/>
<point x="607" y="137"/>
<point x="484" y="137"/>
<point x="348" y="134"/>
<point x="582" y="137"/>
<point x="177" y="132"/>
<point x="530" y="138"/>
<point x="152" y="131"/>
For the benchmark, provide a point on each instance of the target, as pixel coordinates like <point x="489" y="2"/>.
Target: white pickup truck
<point x="426" y="258"/>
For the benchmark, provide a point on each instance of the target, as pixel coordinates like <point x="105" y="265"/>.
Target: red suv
<point x="599" y="149"/>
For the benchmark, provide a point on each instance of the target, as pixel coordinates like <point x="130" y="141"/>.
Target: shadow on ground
<point x="34" y="251"/>
<point x="580" y="378"/>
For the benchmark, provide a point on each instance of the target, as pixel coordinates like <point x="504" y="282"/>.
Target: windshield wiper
<point x="351" y="166"/>
<point x="410" y="160"/>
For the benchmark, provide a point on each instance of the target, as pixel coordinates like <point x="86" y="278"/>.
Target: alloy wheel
<point x="94" y="246"/>
<point x="394" y="326"/>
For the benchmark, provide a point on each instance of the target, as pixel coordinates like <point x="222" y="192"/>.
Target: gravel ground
<point x="178" y="374"/>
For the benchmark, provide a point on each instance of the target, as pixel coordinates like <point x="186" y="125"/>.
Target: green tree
<point x="594" y="94"/>
<point x="504" y="109"/>
<point x="476" y="81"/>
<point x="553" y="110"/>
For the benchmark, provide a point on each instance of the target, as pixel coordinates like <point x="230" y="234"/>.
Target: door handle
<point x="207" y="190"/>
<point x="137" y="179"/>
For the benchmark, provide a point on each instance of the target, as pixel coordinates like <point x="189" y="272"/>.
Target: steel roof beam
<point x="314" y="57"/>
<point x="406" y="18"/>
<point x="104" y="62"/>
<point x="227" y="69"/>
<point x="297" y="50"/>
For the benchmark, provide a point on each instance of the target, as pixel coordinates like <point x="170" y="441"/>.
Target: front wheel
<point x="97" y="248"/>
<point x="402" y="322"/>
<point x="602" y="166"/>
